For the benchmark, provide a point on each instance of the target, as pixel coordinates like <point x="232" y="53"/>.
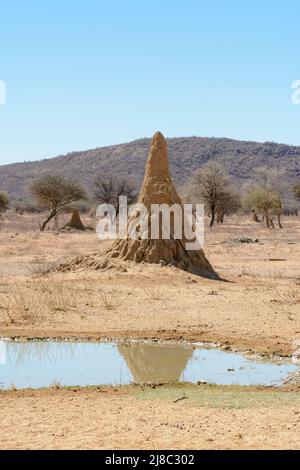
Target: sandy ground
<point x="132" y="418"/>
<point x="256" y="307"/>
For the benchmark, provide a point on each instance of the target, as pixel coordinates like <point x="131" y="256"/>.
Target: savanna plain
<point x="253" y="308"/>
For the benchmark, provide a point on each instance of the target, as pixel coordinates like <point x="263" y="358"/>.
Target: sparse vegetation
<point x="154" y="293"/>
<point x="211" y="186"/>
<point x="25" y="305"/>
<point x="40" y="266"/>
<point x="289" y="296"/>
<point x="26" y="206"/>
<point x="31" y="302"/>
<point x="113" y="298"/>
<point x="57" y="296"/>
<point x="3" y="202"/>
<point x="297" y="191"/>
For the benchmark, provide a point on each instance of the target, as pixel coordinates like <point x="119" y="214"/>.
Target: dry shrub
<point x="56" y="385"/>
<point x="39" y="267"/>
<point x="4" y="288"/>
<point x="113" y="298"/>
<point x="154" y="293"/>
<point x="289" y="296"/>
<point x="57" y="296"/>
<point x="25" y="305"/>
<point x="31" y="302"/>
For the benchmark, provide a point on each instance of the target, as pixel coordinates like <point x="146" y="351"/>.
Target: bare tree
<point x="108" y="189"/>
<point x="211" y="186"/>
<point x="229" y="204"/>
<point x="126" y="188"/>
<point x="104" y="189"/>
<point x="56" y="193"/>
<point x="3" y="202"/>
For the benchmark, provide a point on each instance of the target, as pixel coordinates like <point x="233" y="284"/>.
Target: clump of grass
<point x="39" y="267"/>
<point x="4" y="288"/>
<point x="25" y="305"/>
<point x="154" y="293"/>
<point x="56" y="385"/>
<point x="113" y="298"/>
<point x="290" y="296"/>
<point x="30" y="302"/>
<point x="58" y="297"/>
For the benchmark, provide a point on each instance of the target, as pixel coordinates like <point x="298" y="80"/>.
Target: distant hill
<point x="187" y="154"/>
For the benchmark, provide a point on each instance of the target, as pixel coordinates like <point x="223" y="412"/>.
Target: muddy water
<point x="42" y="364"/>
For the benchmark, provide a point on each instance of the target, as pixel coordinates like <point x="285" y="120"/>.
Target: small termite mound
<point x="75" y="222"/>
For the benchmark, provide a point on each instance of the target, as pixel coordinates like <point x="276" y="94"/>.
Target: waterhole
<point x="38" y="364"/>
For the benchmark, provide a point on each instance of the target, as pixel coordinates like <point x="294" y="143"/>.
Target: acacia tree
<point x="272" y="180"/>
<point x="264" y="201"/>
<point x="108" y="189"/>
<point x="211" y="185"/>
<point x="3" y="202"/>
<point x="56" y="193"/>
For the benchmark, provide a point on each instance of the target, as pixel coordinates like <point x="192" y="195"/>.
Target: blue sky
<point x="83" y="74"/>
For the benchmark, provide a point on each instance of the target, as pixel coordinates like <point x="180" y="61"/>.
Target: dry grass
<point x="16" y="223"/>
<point x="32" y="302"/>
<point x="58" y="297"/>
<point x="40" y="266"/>
<point x="257" y="310"/>
<point x="113" y="298"/>
<point x="25" y="305"/>
<point x="289" y="296"/>
<point x="154" y="293"/>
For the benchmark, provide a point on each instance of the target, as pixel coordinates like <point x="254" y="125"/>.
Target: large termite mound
<point x="157" y="188"/>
